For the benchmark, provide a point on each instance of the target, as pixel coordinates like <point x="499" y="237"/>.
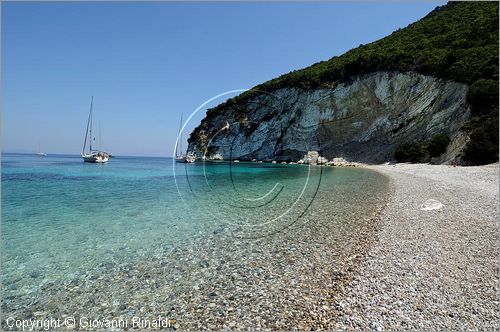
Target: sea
<point x="70" y="228"/>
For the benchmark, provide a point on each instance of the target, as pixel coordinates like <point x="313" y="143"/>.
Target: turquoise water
<point x="62" y="218"/>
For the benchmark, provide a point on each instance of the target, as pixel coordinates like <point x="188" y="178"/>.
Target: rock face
<point x="362" y="119"/>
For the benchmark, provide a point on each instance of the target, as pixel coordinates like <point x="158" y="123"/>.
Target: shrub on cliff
<point x="437" y="146"/>
<point x="483" y="96"/>
<point x="422" y="152"/>
<point x="483" y="145"/>
<point x="411" y="152"/>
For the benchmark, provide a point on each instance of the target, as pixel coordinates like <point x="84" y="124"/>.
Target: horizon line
<point x="73" y="154"/>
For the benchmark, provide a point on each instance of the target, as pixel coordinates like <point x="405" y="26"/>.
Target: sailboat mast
<point x="91" y="104"/>
<point x="180" y="136"/>
<point x="88" y="124"/>
<point x="99" y="135"/>
<point x="179" y="142"/>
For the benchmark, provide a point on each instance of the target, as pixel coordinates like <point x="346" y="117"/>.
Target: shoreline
<point x="435" y="269"/>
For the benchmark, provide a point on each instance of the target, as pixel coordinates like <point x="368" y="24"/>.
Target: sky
<point x="146" y="63"/>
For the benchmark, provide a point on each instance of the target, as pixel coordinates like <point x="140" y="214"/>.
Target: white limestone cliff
<point x="363" y="120"/>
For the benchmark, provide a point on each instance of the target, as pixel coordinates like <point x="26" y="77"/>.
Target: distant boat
<point x="179" y="157"/>
<point x="40" y="153"/>
<point x="190" y="158"/>
<point x="93" y="156"/>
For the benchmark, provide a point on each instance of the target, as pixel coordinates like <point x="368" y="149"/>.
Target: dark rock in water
<point x="218" y="231"/>
<point x="47" y="285"/>
<point x="212" y="294"/>
<point x="35" y="274"/>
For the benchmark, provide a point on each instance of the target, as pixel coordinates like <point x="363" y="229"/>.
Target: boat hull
<point x="186" y="159"/>
<point x="95" y="158"/>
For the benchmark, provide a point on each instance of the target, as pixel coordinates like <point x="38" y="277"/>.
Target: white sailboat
<point x="179" y="157"/>
<point x="40" y="153"/>
<point x="92" y="156"/>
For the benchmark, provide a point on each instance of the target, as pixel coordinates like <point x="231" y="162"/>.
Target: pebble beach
<point x="430" y="269"/>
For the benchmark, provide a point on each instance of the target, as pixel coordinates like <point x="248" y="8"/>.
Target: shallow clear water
<point x="62" y="218"/>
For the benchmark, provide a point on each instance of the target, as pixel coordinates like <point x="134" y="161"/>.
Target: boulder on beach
<point x="311" y="157"/>
<point x="431" y="204"/>
<point x="339" y="161"/>
<point x="216" y="156"/>
<point x="322" y="160"/>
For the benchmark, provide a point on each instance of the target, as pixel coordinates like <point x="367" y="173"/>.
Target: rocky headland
<point x="363" y="119"/>
<point x="425" y="93"/>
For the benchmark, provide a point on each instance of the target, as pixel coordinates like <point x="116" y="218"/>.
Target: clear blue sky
<point x="146" y="63"/>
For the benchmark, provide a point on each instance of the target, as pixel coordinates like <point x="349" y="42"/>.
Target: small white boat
<point x="189" y="158"/>
<point x="179" y="157"/>
<point x="93" y="156"/>
<point x="40" y="153"/>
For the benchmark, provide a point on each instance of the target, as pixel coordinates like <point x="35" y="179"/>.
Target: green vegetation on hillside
<point x="483" y="145"/>
<point x="412" y="153"/>
<point x="458" y="41"/>
<point x="483" y="96"/>
<point x="437" y="146"/>
<point x="422" y="152"/>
